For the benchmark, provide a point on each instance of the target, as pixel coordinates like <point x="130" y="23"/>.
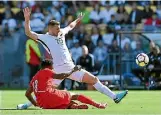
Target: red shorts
<point x="57" y="99"/>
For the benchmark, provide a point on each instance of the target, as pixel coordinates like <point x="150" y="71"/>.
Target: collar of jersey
<point x="50" y="34"/>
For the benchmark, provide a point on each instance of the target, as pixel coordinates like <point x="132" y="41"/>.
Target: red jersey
<point x="48" y="97"/>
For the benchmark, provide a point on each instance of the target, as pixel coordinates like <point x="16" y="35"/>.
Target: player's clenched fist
<point x="27" y="13"/>
<point x="77" y="68"/>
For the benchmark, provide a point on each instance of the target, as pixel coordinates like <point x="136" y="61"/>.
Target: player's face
<point x="55" y="29"/>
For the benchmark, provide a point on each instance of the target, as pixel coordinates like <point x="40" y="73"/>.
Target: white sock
<point x="29" y="104"/>
<point x="104" y="89"/>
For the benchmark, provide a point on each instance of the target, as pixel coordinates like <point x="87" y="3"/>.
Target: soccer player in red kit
<point x="48" y="97"/>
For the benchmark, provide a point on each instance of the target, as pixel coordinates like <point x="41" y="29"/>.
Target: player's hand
<point x="35" y="104"/>
<point x="27" y="13"/>
<point x="81" y="15"/>
<point x="77" y="68"/>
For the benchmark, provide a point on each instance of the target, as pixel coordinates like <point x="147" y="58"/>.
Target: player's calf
<point x="76" y="106"/>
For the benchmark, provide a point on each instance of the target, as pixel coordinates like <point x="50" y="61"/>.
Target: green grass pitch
<point x="135" y="103"/>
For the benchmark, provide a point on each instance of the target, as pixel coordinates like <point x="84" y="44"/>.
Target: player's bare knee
<point x="89" y="78"/>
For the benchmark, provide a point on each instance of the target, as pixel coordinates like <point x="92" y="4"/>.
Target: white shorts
<point x="65" y="68"/>
<point x="76" y="76"/>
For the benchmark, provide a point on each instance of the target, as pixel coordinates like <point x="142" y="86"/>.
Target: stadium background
<point x="98" y="30"/>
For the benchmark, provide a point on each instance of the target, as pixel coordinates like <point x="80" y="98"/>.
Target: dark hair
<point x="53" y="23"/>
<point x="46" y="63"/>
<point x="118" y="10"/>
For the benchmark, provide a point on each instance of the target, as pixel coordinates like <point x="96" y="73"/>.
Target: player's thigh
<point x="78" y="75"/>
<point x="83" y="76"/>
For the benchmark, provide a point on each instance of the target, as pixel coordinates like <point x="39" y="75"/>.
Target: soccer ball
<point x="142" y="59"/>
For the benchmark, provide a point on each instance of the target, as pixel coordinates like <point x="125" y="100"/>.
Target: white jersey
<point x="62" y="61"/>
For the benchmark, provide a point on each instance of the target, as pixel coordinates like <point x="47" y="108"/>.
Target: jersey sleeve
<point x="40" y="36"/>
<point x="66" y="30"/>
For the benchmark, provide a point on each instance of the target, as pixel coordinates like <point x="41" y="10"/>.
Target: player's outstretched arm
<point x="28" y="32"/>
<point x="75" y="22"/>
<point x="65" y="75"/>
<point x="61" y="76"/>
<point x="29" y="96"/>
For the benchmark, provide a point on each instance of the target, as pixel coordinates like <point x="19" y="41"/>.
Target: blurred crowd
<point x="98" y="28"/>
<point x="96" y="31"/>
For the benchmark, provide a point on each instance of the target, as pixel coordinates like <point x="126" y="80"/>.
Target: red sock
<point x="87" y="100"/>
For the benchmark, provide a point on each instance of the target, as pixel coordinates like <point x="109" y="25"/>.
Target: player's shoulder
<point x="41" y="36"/>
<point x="46" y="34"/>
<point x="48" y="70"/>
<point x="64" y="30"/>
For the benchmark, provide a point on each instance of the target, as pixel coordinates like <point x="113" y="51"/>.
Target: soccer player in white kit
<point x="62" y="62"/>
